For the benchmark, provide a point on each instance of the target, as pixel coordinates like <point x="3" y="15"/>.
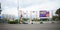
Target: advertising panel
<point x="43" y="13"/>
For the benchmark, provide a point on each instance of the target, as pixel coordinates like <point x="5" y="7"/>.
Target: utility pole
<point x="26" y="14"/>
<point x="36" y="15"/>
<point x="52" y="14"/>
<point x="21" y="16"/>
<point x="30" y="17"/>
<point x="18" y="11"/>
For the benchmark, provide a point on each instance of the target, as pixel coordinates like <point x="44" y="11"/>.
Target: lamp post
<point x="18" y="10"/>
<point x="19" y="14"/>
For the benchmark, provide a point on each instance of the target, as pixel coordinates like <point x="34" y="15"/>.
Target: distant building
<point x="8" y="17"/>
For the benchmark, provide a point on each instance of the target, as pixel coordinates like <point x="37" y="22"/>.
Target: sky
<point x="10" y="6"/>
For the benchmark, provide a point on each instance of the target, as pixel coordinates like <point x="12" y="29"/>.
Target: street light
<point x="19" y="11"/>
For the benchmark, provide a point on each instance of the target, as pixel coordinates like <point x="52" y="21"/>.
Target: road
<point x="29" y="26"/>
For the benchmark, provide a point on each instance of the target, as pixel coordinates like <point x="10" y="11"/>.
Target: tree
<point x="24" y="19"/>
<point x="58" y="12"/>
<point x="55" y="18"/>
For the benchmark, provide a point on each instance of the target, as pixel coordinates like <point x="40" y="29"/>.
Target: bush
<point x="41" y="22"/>
<point x="12" y="22"/>
<point x="24" y="19"/>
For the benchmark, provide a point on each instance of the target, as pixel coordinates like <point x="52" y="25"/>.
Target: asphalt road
<point x="29" y="26"/>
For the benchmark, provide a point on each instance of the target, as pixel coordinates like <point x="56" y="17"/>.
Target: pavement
<point x="54" y="26"/>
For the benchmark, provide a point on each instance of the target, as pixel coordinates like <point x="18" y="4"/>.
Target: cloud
<point x="10" y="11"/>
<point x="11" y="3"/>
<point x="47" y="5"/>
<point x="27" y="3"/>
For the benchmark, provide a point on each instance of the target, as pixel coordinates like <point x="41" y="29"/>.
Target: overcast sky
<point x="10" y="6"/>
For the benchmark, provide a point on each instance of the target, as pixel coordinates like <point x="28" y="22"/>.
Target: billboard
<point x="43" y="13"/>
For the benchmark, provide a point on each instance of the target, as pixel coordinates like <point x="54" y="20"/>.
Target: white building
<point x="8" y="17"/>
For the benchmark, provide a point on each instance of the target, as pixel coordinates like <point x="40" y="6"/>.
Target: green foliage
<point x="16" y="20"/>
<point x="45" y="19"/>
<point x="58" y="11"/>
<point x="35" y="19"/>
<point x="12" y="22"/>
<point x="55" y="18"/>
<point x="24" y="19"/>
